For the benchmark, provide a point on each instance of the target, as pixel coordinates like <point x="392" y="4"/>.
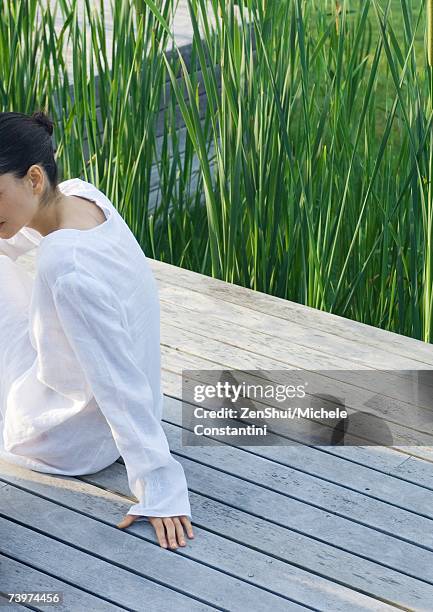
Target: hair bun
<point x="44" y="120"/>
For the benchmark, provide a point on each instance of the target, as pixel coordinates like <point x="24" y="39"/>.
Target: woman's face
<point x="18" y="203"/>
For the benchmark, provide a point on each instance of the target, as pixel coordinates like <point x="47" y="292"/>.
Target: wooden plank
<point x="226" y="538"/>
<point x="142" y="562"/>
<point x="295" y="344"/>
<point x="234" y="336"/>
<point x="12" y="607"/>
<point x="402" y="400"/>
<point x="379" y="486"/>
<point x="47" y="552"/>
<point x="382" y="458"/>
<point x="219" y="355"/>
<point x="275" y="336"/>
<point x="273" y="574"/>
<point x="125" y="587"/>
<point x="415" y="470"/>
<point x="15" y="577"/>
<point x="300" y="488"/>
<point x="243" y="510"/>
<point x="275" y="311"/>
<point x="411" y="395"/>
<point x="245" y="322"/>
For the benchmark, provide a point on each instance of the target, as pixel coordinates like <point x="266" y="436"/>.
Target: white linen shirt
<point x="89" y="385"/>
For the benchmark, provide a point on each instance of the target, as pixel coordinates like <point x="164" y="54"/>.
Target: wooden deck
<point x="289" y="527"/>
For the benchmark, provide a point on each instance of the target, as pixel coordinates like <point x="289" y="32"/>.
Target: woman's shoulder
<point x="78" y="186"/>
<point x="76" y="265"/>
<point x="56" y="259"/>
<point x="74" y="182"/>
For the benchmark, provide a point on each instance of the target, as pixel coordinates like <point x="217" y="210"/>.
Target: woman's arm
<point x="91" y="317"/>
<point x="24" y="240"/>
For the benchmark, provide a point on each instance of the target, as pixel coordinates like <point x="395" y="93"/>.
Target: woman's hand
<point x="172" y="524"/>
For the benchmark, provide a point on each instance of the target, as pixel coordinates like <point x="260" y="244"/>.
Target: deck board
<point x="59" y="550"/>
<point x="410" y="426"/>
<point x="14" y="573"/>
<point x="287" y="526"/>
<point x="91" y="528"/>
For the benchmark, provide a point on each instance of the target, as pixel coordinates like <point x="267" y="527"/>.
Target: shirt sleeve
<point x="91" y="316"/>
<point x="24" y="240"/>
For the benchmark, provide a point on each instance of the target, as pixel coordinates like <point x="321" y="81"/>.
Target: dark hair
<point x="26" y="140"/>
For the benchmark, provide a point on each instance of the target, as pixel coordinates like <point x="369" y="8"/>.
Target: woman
<point x="79" y="344"/>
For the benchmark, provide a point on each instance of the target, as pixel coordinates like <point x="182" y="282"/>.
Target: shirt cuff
<point x="144" y="512"/>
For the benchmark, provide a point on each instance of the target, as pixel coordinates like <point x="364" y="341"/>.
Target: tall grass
<point x="323" y="157"/>
<point x="105" y="128"/>
<point x="318" y="187"/>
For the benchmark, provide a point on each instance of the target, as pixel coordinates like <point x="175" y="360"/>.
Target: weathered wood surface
<point x="277" y="527"/>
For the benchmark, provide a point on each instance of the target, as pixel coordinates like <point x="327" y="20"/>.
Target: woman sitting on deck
<point x="80" y="343"/>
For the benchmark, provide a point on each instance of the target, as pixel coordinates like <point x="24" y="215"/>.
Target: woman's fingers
<point x="158" y="525"/>
<point x="169" y="530"/>
<point x="187" y="523"/>
<point x="128" y="520"/>
<point x="179" y="531"/>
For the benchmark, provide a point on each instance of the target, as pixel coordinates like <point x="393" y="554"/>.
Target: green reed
<point x="323" y="156"/>
<point x="314" y="155"/>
